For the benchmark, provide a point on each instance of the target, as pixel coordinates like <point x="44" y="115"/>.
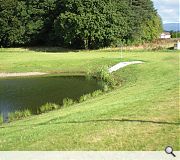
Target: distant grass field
<point x="142" y="114"/>
<point x="21" y="60"/>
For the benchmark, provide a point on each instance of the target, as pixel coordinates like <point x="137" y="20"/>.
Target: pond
<point x="32" y="92"/>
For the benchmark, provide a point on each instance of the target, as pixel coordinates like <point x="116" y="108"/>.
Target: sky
<point x="168" y="10"/>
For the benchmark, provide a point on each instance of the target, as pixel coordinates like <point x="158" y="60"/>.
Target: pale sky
<point x="168" y="10"/>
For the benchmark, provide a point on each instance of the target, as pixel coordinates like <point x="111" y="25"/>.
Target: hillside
<point x="171" y="26"/>
<point x="141" y="114"/>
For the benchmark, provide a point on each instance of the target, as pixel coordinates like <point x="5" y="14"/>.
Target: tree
<point x="26" y="22"/>
<point x="147" y="23"/>
<point x="11" y="28"/>
<point x="39" y="21"/>
<point x="91" y="23"/>
<point x="77" y="23"/>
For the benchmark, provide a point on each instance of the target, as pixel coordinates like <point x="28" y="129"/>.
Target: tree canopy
<point x="77" y="23"/>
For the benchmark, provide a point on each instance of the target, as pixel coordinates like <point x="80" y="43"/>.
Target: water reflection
<point x="32" y="92"/>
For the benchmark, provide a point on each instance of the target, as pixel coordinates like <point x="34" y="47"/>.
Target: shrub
<point x="84" y="97"/>
<point x="19" y="115"/>
<point x="26" y="113"/>
<point x="158" y="48"/>
<point x="89" y="75"/>
<point x="104" y="75"/>
<point x="67" y="102"/>
<point x="105" y="88"/>
<point x="96" y="93"/>
<point x="112" y="82"/>
<point x="48" y="107"/>
<point x="1" y="119"/>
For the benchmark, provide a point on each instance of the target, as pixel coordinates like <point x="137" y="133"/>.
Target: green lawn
<point x="141" y="114"/>
<point x="26" y="61"/>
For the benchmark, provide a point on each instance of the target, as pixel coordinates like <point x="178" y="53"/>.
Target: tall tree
<point x="40" y="20"/>
<point x="77" y="23"/>
<point x="146" y="24"/>
<point x="92" y="23"/>
<point x="11" y="27"/>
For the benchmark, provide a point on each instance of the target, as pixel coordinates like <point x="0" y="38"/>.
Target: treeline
<point x="77" y="23"/>
<point x="175" y="34"/>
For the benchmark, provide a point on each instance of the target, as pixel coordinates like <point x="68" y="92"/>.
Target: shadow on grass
<point x="51" y="49"/>
<point x="54" y="121"/>
<point x="112" y="120"/>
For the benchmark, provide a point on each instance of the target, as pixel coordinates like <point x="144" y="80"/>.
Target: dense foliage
<point x="175" y="34"/>
<point x="77" y="23"/>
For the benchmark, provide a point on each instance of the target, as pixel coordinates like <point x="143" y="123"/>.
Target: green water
<point x="32" y="92"/>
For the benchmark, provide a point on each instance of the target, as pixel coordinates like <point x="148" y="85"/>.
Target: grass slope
<point x="142" y="114"/>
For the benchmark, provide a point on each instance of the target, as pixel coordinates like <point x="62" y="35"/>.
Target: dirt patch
<point x="3" y="75"/>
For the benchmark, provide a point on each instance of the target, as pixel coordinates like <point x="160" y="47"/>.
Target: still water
<point x="32" y="92"/>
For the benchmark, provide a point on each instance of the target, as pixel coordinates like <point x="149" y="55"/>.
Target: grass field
<point x="141" y="114"/>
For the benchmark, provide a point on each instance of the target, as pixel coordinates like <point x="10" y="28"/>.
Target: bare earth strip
<point x="122" y="65"/>
<point x="2" y="75"/>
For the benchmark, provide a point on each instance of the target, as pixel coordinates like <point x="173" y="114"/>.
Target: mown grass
<point x="141" y="114"/>
<point x="68" y="62"/>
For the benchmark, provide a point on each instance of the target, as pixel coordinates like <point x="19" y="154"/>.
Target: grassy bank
<point x="142" y="114"/>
